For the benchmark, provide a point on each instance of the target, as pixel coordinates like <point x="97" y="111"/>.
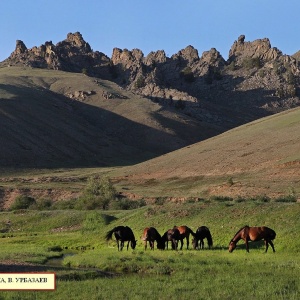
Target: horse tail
<point x="272" y="234"/>
<point x="109" y="234"/>
<point x="209" y="239"/>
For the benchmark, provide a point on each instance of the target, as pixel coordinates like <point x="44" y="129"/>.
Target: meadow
<point x="91" y="268"/>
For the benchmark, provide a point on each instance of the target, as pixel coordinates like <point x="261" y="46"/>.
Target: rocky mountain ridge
<point x="255" y="81"/>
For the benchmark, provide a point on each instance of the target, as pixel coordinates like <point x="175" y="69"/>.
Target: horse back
<point x="123" y="233"/>
<point x="150" y="233"/>
<point x="262" y="232"/>
<point x="184" y="230"/>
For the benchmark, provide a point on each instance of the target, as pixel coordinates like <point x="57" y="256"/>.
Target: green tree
<point x="98" y="193"/>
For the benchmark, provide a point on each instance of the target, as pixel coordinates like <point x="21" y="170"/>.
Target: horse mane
<point x="192" y="232"/>
<point x="240" y="230"/>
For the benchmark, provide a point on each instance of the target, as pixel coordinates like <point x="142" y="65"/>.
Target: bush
<point x="251" y="62"/>
<point x="22" y="202"/>
<point x="287" y="198"/>
<point x="84" y="71"/>
<point x="97" y="194"/>
<point x="232" y="66"/>
<point x="220" y="198"/>
<point x="187" y="74"/>
<point x="126" y="204"/>
<point x="140" y="82"/>
<point x="43" y="203"/>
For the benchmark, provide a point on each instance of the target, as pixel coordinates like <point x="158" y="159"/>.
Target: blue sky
<point x="150" y="25"/>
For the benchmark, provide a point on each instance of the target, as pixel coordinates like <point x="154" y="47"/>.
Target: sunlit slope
<point x="101" y="125"/>
<point x="262" y="157"/>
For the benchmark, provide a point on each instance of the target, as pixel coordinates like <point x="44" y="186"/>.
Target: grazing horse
<point x="202" y="233"/>
<point x="184" y="233"/>
<point x="151" y="235"/>
<point x="171" y="235"/>
<point x="122" y="234"/>
<point x="253" y="234"/>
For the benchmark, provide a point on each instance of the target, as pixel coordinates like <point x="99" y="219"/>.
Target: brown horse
<point x="202" y="233"/>
<point x="253" y="234"/>
<point x="122" y="234"/>
<point x="151" y="235"/>
<point x="184" y="233"/>
<point x="171" y="235"/>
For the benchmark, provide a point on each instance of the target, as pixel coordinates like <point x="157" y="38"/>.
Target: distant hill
<point x="255" y="81"/>
<point x="52" y="119"/>
<point x="68" y="106"/>
<point x="259" y="158"/>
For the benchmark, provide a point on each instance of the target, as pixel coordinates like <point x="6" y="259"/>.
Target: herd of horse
<point x="179" y="233"/>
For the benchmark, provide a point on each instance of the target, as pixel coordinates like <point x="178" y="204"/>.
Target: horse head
<point x="232" y="246"/>
<point x="195" y="243"/>
<point x="161" y="244"/>
<point x="133" y="244"/>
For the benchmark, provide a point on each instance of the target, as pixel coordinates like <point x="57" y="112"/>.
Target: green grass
<point x="202" y="274"/>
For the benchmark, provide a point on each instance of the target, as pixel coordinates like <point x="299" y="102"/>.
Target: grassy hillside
<point x="50" y="144"/>
<point x="102" y="125"/>
<point x="262" y="157"/>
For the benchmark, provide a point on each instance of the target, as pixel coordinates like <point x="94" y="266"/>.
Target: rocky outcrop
<point x="256" y="80"/>
<point x="73" y="55"/>
<point x="257" y="49"/>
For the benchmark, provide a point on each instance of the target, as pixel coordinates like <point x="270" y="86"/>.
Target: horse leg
<point x="267" y="245"/>
<point x="174" y="244"/>
<point x="272" y="245"/>
<point x="247" y="245"/>
<point x="118" y="245"/>
<point x="152" y="245"/>
<point x="121" y="245"/>
<point x="187" y="242"/>
<point x="128" y="245"/>
<point x="201" y="244"/>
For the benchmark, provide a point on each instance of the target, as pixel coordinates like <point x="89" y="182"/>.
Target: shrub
<point x="251" y="62"/>
<point x="221" y="198"/>
<point x="126" y="204"/>
<point x="187" y="74"/>
<point x="97" y="194"/>
<point x="262" y="198"/>
<point x="43" y="203"/>
<point x="22" y="202"/>
<point x="160" y="201"/>
<point x="232" y="66"/>
<point x="84" y="71"/>
<point x="288" y="198"/>
<point x="140" y="82"/>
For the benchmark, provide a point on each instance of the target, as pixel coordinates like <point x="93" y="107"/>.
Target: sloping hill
<point x="262" y="157"/>
<point x="52" y="119"/>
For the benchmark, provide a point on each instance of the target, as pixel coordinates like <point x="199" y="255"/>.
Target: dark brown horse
<point x="171" y="235"/>
<point x="151" y="235"/>
<point x="122" y="234"/>
<point x="184" y="233"/>
<point x="202" y="233"/>
<point x="253" y="234"/>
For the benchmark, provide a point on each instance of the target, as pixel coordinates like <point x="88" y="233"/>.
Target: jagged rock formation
<point x="255" y="81"/>
<point x="73" y="55"/>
